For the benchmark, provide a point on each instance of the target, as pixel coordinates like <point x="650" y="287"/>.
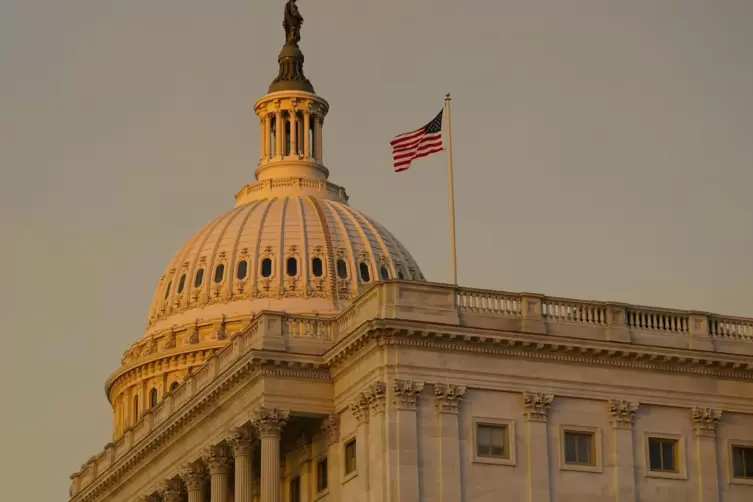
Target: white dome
<point x="293" y="253"/>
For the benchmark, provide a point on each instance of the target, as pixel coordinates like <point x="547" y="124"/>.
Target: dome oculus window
<point x="291" y="267"/>
<point x="199" y="278"/>
<point x="316" y="267"/>
<point x="384" y="274"/>
<point x="181" y="283"/>
<point x="242" y="269"/>
<point x="219" y="273"/>
<point x="266" y="267"/>
<point x="173" y="386"/>
<point x="342" y="269"/>
<point x="364" y="269"/>
<point x="167" y="291"/>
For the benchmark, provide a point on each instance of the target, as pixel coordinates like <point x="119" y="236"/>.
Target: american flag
<point x="416" y="144"/>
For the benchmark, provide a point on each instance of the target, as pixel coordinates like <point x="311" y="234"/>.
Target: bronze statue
<point x="292" y="23"/>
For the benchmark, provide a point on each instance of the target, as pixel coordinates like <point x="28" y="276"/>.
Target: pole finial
<point x="447" y="96"/>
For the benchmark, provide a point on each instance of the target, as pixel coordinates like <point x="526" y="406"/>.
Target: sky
<point x="602" y="149"/>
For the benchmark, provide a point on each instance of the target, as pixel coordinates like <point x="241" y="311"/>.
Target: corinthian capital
<point x="331" y="427"/>
<point x="359" y="407"/>
<point x="447" y="397"/>
<point x="622" y="413"/>
<point x="270" y="422"/>
<point x="537" y="406"/>
<point x="193" y="476"/>
<point x="240" y="439"/>
<point x="405" y="394"/>
<point x="217" y="459"/>
<point x="705" y="421"/>
<point x="170" y="491"/>
<point x="376" y="396"/>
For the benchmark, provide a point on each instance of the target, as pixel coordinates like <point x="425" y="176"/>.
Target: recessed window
<point x="242" y="269"/>
<point x="384" y="274"/>
<point x="199" y="278"/>
<point x="182" y="283"/>
<point x="321" y="475"/>
<point x="364" y="269"/>
<point x="295" y="489"/>
<point x="662" y="455"/>
<point x="219" y="273"/>
<point x="492" y="441"/>
<point x="152" y="398"/>
<point x="742" y="462"/>
<point x="174" y="386"/>
<point x="342" y="269"/>
<point x="266" y="267"/>
<point x="316" y="267"/>
<point x="579" y="448"/>
<point x="167" y="291"/>
<point x="350" y="457"/>
<point x="291" y="267"/>
<point x="135" y="408"/>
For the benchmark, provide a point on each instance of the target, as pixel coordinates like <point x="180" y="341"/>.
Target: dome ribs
<point x="330" y="254"/>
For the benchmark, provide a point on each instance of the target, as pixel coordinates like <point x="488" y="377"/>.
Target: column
<point x="264" y="140"/>
<point x="705" y="421"/>
<point x="293" y="131"/>
<point x="447" y="399"/>
<point x="376" y="396"/>
<point x="331" y="427"/>
<point x="307" y="133"/>
<point x="318" y="123"/>
<point x="218" y="460"/>
<point x="622" y="416"/>
<point x="269" y="424"/>
<point x="170" y="491"/>
<point x="359" y="407"/>
<point x="279" y="133"/>
<point x="240" y="439"/>
<point x="303" y="445"/>
<point x="194" y="476"/>
<point x="536" y="414"/>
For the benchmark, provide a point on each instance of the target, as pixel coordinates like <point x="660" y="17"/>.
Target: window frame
<point x="319" y="490"/>
<point x="731" y="444"/>
<point x="511" y="459"/>
<point x="596" y="448"/>
<point x="347" y="476"/>
<point x="271" y="267"/>
<point x="680" y="456"/>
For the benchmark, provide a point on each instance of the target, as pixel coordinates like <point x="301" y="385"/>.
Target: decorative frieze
<point x="331" y="428"/>
<point x="270" y="422"/>
<point x="240" y="439"/>
<point x="405" y="394"/>
<point x="537" y="406"/>
<point x="705" y="421"/>
<point x="447" y="397"/>
<point x="622" y="413"/>
<point x="218" y="459"/>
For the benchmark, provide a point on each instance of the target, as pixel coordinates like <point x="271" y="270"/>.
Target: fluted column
<point x="447" y="398"/>
<point x="240" y="439"/>
<point x="536" y="406"/>
<point x="268" y="148"/>
<point x="279" y="134"/>
<point x="293" y="132"/>
<point x="218" y="460"/>
<point x="331" y="428"/>
<point x="194" y="477"/>
<point x="318" y="126"/>
<point x="307" y="133"/>
<point x="705" y="421"/>
<point x="622" y="416"/>
<point x="170" y="491"/>
<point x="377" y="398"/>
<point x="269" y="425"/>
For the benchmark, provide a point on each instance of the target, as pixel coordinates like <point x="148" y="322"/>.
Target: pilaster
<point x="303" y="446"/>
<point x="240" y="439"/>
<point x="331" y="428"/>
<point x="360" y="408"/>
<point x="622" y="417"/>
<point x="269" y="424"/>
<point x="536" y="407"/>
<point x="375" y="447"/>
<point x="447" y="398"/>
<point x="705" y="421"/>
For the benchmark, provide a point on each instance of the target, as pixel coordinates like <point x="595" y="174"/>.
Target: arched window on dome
<point x="365" y="274"/>
<point x="242" y="270"/>
<point x="219" y="273"/>
<point x="384" y="273"/>
<point x="342" y="269"/>
<point x="317" y="267"/>
<point x="153" y="398"/>
<point x="199" y="278"/>
<point x="167" y="291"/>
<point x="291" y="266"/>
<point x="266" y="267"/>
<point x="181" y="283"/>
<point x="135" y="408"/>
<point x="173" y="386"/>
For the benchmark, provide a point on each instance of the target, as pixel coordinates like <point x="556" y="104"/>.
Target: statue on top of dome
<point x="292" y="23"/>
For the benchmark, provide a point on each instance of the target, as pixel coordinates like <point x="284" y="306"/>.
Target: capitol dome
<point x="291" y="244"/>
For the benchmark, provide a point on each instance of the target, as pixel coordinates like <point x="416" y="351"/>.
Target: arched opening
<point x="152" y="398"/>
<point x="312" y="143"/>
<point x="291" y="267"/>
<point x="182" y="283"/>
<point x="266" y="267"/>
<point x="342" y="269"/>
<point x="316" y="267"/>
<point x="288" y="137"/>
<point x="135" y="408"/>
<point x="364" y="270"/>
<point x="242" y="270"/>
<point x="384" y="274"/>
<point x="173" y="386"/>
<point x="299" y="134"/>
<point x="219" y="273"/>
<point x="167" y="291"/>
<point x="400" y="275"/>
<point x="199" y="278"/>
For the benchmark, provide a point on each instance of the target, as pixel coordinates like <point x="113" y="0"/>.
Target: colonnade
<point x="296" y="133"/>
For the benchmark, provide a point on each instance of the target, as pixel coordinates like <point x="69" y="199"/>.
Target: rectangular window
<point x="295" y="489"/>
<point x="579" y="448"/>
<point x="742" y="462"/>
<point x="662" y="454"/>
<point x="492" y="441"/>
<point x="321" y="475"/>
<point x="350" y="456"/>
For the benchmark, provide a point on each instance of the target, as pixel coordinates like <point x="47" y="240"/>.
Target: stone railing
<point x="448" y="305"/>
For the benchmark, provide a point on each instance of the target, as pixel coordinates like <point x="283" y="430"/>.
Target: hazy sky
<point x="602" y="149"/>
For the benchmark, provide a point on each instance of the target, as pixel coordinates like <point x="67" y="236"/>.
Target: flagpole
<point x="453" y="261"/>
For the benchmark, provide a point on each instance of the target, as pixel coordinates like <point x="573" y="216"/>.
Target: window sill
<point x="666" y="475"/>
<point x="494" y="461"/>
<point x="582" y="468"/>
<point x="321" y="494"/>
<point x="741" y="481"/>
<point x="348" y="477"/>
